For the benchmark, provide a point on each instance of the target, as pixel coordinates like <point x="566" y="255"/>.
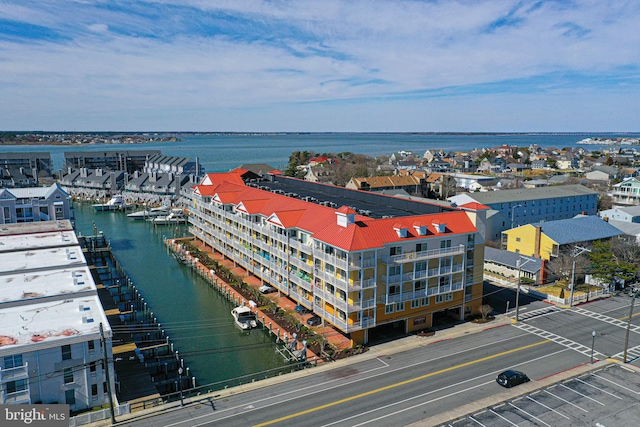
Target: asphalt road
<point x="425" y="381"/>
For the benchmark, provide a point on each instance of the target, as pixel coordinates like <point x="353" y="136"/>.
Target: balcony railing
<point x="331" y="299"/>
<point x="13" y="374"/>
<point x="423" y="255"/>
<point x="358" y="285"/>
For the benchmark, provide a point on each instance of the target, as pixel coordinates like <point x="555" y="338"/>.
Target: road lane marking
<point x="398" y="384"/>
<point x="428" y="402"/>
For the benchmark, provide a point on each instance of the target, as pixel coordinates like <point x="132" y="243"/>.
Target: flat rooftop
<point x="41" y="259"/>
<point x="34" y="227"/>
<point x="372" y="204"/>
<point x="50" y="321"/>
<point x="23" y="242"/>
<point x="36" y="286"/>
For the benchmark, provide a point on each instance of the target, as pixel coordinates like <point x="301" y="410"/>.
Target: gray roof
<point x="578" y="229"/>
<point x="629" y="228"/>
<point x="510" y="259"/>
<point x="524" y="194"/>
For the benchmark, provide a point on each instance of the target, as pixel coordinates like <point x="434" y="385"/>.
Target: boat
<point x="176" y="216"/>
<point x="116" y="203"/>
<point x="244" y="317"/>
<point x="150" y="213"/>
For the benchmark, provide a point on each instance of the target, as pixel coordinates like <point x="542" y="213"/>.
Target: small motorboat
<point x="176" y="216"/>
<point x="244" y="317"/>
<point x="116" y="203"/>
<point x="149" y="213"/>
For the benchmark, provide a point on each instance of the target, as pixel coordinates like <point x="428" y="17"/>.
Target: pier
<point x="149" y="370"/>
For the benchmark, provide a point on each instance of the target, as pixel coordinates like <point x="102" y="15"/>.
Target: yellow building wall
<point x="521" y="240"/>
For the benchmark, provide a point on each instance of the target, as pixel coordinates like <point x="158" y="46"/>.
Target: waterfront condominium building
<point x="51" y="349"/>
<point x="358" y="260"/>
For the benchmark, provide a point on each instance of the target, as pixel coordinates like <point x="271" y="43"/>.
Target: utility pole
<point x="626" y="340"/>
<point x="519" y="264"/>
<point x="105" y="361"/>
<point x="577" y="250"/>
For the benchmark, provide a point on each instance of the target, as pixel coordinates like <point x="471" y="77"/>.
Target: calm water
<point x="225" y="152"/>
<point x="197" y="319"/>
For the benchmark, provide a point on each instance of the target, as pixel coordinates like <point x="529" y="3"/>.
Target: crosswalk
<point x="632" y="353"/>
<point x="524" y="315"/>
<point x="572" y="345"/>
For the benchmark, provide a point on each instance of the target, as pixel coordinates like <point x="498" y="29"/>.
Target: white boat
<point x="116" y="203"/>
<point x="150" y="213"/>
<point x="176" y="216"/>
<point x="244" y="317"/>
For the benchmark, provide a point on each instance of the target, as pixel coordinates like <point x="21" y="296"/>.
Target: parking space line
<point x="616" y="384"/>
<point x="565" y="401"/>
<point x="500" y="416"/>
<point x="583" y="395"/>
<point x="597" y="388"/>
<point x="528" y="414"/>
<point x="548" y="407"/>
<point x="476" y="421"/>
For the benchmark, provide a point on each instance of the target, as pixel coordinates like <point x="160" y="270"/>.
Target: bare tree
<point x="485" y="310"/>
<point x="562" y="266"/>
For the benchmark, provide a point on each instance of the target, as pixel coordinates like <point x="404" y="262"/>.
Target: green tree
<point x="605" y="265"/>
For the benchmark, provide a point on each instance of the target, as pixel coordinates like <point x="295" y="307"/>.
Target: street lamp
<point x="519" y="264"/>
<point x="593" y="341"/>
<point x="512" y="213"/>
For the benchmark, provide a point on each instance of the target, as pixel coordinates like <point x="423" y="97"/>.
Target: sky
<point x="320" y="66"/>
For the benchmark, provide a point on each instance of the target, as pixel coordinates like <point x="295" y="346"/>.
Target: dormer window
<point x="440" y="227"/>
<point x="400" y="230"/>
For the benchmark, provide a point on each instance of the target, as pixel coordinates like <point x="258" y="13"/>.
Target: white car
<point x="266" y="289"/>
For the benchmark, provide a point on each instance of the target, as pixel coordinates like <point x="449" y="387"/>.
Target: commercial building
<point x="528" y="205"/>
<point x="359" y="260"/>
<point x="546" y="239"/>
<point x="34" y="204"/>
<point x="51" y="348"/>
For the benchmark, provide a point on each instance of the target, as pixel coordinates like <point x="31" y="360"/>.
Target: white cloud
<point x="163" y="59"/>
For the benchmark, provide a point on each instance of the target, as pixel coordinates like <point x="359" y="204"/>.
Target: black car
<point x="314" y="320"/>
<point x="510" y="378"/>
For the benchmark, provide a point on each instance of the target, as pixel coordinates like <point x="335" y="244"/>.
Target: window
<point x="388" y="309"/>
<point x="396" y="250"/>
<point x="92" y="346"/>
<point x="105" y="389"/>
<point x="445" y="244"/>
<point x="94" y="390"/>
<point x="16" y="386"/>
<point x="517" y="239"/>
<point x="439" y="298"/>
<point x="70" y="397"/>
<point x="66" y="352"/>
<point x="420" y="247"/>
<point x="92" y="367"/>
<point x="400" y="306"/>
<point x="424" y="301"/>
<point x="14" y="361"/>
<point x="394" y="290"/>
<point x="415" y="303"/>
<point x="68" y="375"/>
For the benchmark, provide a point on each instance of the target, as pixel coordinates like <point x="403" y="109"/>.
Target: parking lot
<point x="605" y="397"/>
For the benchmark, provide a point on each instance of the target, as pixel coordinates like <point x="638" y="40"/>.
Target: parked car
<point x="510" y="378"/>
<point x="314" y="320"/>
<point x="301" y="309"/>
<point x="266" y="289"/>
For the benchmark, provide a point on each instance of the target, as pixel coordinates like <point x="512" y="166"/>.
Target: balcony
<point x="423" y="255"/>
<point x="358" y="285"/>
<point x="331" y="299"/>
<point x="14" y="374"/>
<point x="361" y="305"/>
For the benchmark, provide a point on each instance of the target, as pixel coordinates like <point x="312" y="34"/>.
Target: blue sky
<point x="326" y="65"/>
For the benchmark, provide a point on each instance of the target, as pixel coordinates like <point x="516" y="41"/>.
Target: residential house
<point x="174" y="165"/>
<point x="36" y="163"/>
<point x="33" y="204"/>
<point x="408" y="183"/>
<point x="620" y="213"/>
<point x="504" y="265"/>
<point x="602" y="173"/>
<point x="626" y="192"/>
<point x="116" y="160"/>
